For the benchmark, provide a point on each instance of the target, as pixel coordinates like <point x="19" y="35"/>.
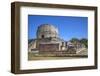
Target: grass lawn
<point x="31" y="56"/>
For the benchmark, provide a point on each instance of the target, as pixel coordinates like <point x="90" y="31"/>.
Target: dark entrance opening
<point x="42" y="36"/>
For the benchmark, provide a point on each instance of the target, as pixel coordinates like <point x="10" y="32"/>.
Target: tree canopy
<point x="82" y="41"/>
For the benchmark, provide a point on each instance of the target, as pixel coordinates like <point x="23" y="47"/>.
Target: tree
<point x="75" y="41"/>
<point x="84" y="41"/>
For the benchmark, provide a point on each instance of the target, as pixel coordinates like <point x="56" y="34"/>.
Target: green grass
<point x="32" y="56"/>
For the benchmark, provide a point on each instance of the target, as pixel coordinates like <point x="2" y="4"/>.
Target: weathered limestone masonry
<point x="49" y="43"/>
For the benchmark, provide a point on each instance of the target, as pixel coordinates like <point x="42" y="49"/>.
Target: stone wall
<point x="48" y="47"/>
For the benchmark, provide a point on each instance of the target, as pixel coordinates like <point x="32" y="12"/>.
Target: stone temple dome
<point x="47" y="31"/>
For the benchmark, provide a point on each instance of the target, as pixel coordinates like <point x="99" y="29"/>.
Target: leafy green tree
<point x="84" y="41"/>
<point x="75" y="41"/>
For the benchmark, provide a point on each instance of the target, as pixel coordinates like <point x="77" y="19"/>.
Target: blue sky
<point x="68" y="26"/>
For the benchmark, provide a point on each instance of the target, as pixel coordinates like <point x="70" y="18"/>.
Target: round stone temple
<point x="47" y="31"/>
